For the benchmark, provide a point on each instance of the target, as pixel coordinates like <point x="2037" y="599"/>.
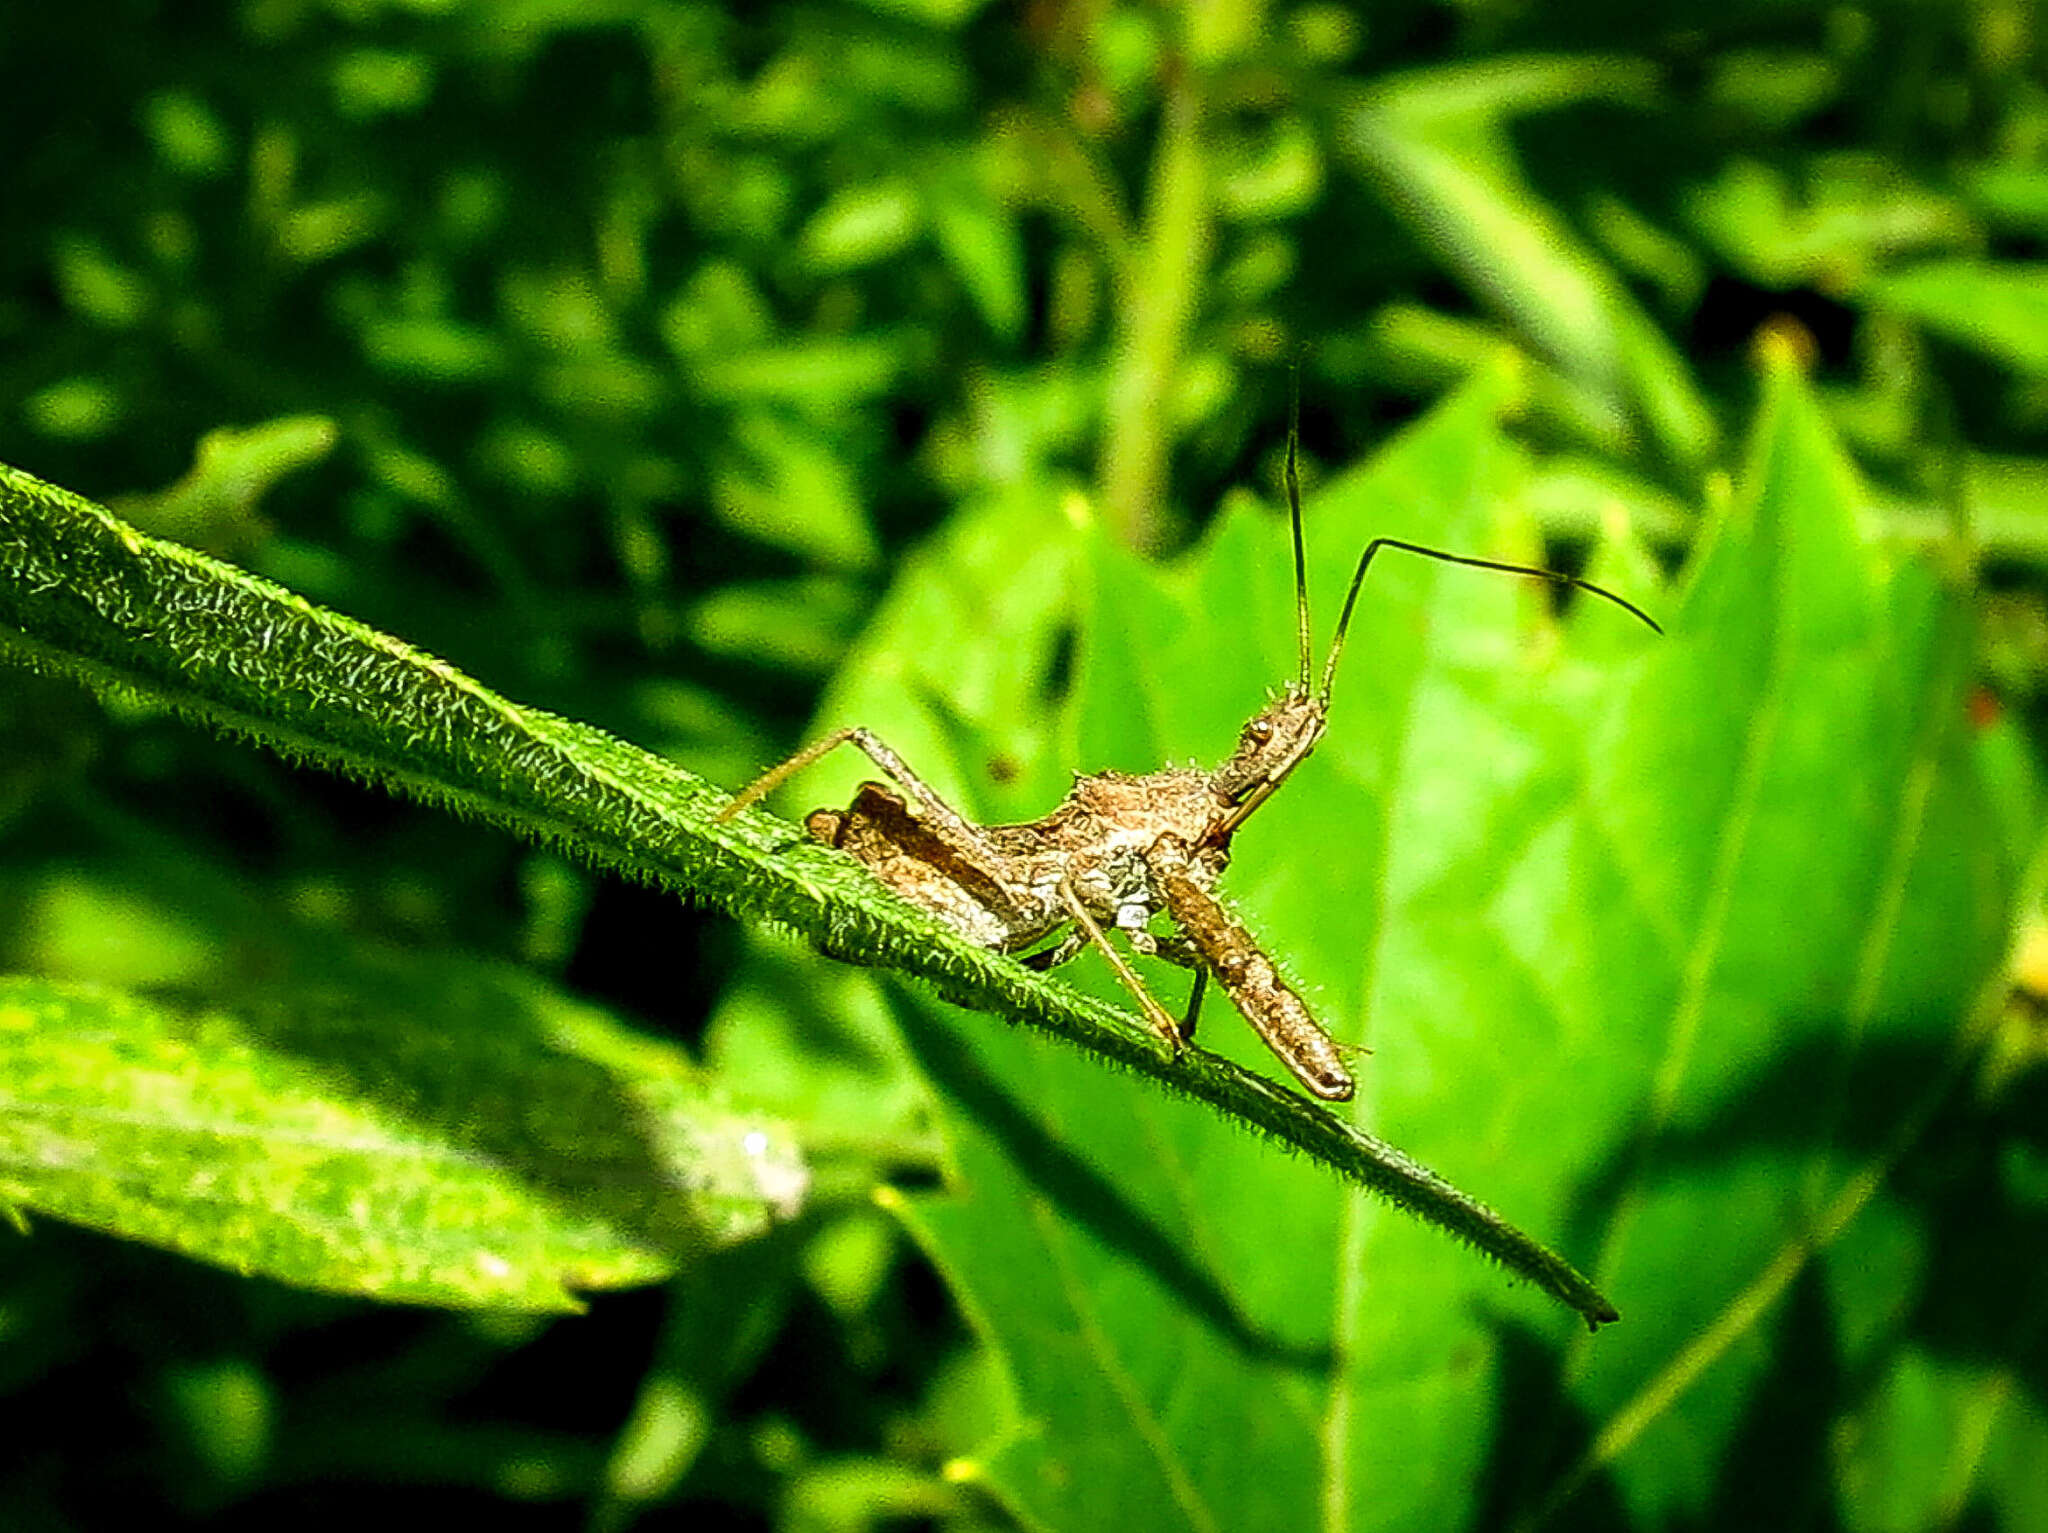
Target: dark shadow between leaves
<point x="1812" y="1096"/>
<point x="1539" y="1434"/>
<point x="1776" y="1473"/>
<point x="1903" y="1098"/>
<point x="1987" y="1235"/>
<point x="1084" y="1195"/>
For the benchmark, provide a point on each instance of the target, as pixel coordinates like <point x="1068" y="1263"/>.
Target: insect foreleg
<point x="1249" y="977"/>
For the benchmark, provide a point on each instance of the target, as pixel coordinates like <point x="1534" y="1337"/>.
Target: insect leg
<point x="1156" y="1014"/>
<point x="1170" y="948"/>
<point x="1249" y="977"/>
<point x="1187" y="1026"/>
<point x="1176" y="950"/>
<point x="947" y="820"/>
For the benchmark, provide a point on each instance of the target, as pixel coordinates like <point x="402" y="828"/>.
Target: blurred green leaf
<point x="187" y="133"/>
<point x="560" y="310"/>
<point x="226" y="1410"/>
<point x="2001" y="310"/>
<point x="1772" y="88"/>
<point x="215" y="505"/>
<point x="855" y="1495"/>
<point x="783" y="485"/>
<point x="718" y="310"/>
<point x="2012" y="194"/>
<point x="1832" y="224"/>
<point x="862" y="225"/>
<point x="377" y="82"/>
<point x="979" y="239"/>
<point x="799" y="625"/>
<point x="319" y="231"/>
<point x="821" y="374"/>
<point x="532" y="460"/>
<point x="1279" y="177"/>
<point x="1434" y="141"/>
<point x="74" y="409"/>
<point x="99" y="288"/>
<point x="434" y="350"/>
<point x="821" y="1047"/>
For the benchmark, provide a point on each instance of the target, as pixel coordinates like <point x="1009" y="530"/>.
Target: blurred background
<point x="619" y="351"/>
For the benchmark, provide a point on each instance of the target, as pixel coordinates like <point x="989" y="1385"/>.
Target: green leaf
<point x="84" y="595"/>
<point x="433" y="350"/>
<point x="432" y="1133"/>
<point x="97" y="287"/>
<point x="1899" y="1465"/>
<point x="187" y="133"/>
<point x="818" y="1043"/>
<point x="215" y="506"/>
<point x="2000" y="310"/>
<point x="1434" y="140"/>
<point x="1830" y="892"/>
<point x="861" y="225"/>
<point x="784" y="485"/>
<point x="75" y="409"/>
<point x="1829" y="222"/>
<point x="799" y="625"/>
<point x="820" y="374"/>
<point x="1663" y="947"/>
<point x="980" y="241"/>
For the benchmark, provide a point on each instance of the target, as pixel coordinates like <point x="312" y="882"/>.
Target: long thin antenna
<point x="1294" y="515"/>
<point x="1365" y="561"/>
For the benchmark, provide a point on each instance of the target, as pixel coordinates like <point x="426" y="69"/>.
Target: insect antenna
<point x="1294" y="515"/>
<point x="1534" y="571"/>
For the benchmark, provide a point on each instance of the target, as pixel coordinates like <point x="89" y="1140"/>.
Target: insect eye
<point x="1259" y="730"/>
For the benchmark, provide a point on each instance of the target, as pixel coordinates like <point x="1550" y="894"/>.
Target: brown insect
<point x="1122" y="849"/>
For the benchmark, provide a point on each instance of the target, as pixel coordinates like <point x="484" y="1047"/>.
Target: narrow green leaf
<point x="84" y="594"/>
<point x="978" y="236"/>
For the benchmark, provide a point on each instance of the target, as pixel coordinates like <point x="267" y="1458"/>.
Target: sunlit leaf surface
<point x="1660" y="946"/>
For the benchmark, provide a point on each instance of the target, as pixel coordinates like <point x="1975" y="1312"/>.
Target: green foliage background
<point x="708" y="376"/>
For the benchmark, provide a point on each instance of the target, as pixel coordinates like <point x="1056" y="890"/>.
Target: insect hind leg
<point x="942" y="816"/>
